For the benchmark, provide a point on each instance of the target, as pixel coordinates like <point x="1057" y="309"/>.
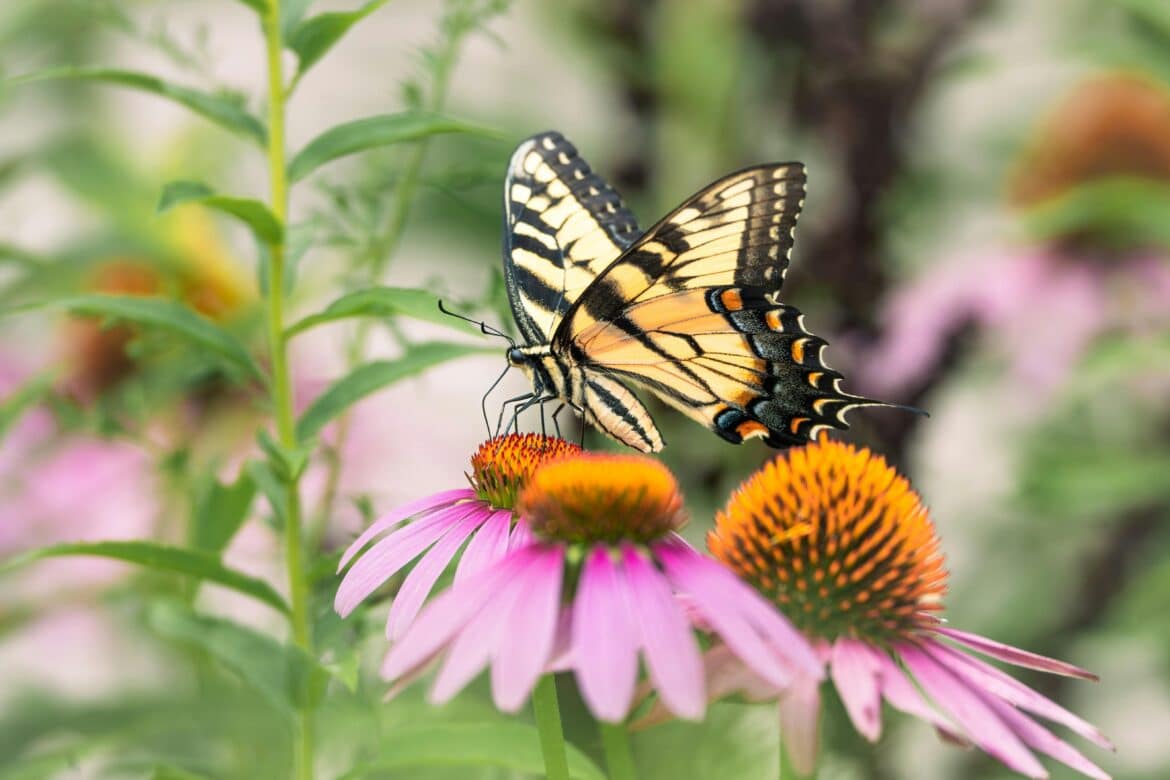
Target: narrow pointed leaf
<point x="372" y="132"/>
<point x="262" y="222"/>
<point x="223" y="111"/>
<point x="312" y="38"/>
<point x="220" y="510"/>
<point x="283" y="674"/>
<point x="157" y="313"/>
<point x="158" y="557"/>
<point x="372" y="377"/>
<point x="383" y="302"/>
<point x="508" y="746"/>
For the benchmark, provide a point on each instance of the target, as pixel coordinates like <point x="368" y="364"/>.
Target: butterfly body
<point x="688" y="310"/>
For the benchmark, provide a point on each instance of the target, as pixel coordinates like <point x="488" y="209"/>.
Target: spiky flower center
<point x="502" y="466"/>
<point x="838" y="540"/>
<point x="595" y="497"/>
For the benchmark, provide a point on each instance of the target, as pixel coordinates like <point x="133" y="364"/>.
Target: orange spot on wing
<point x="794" y="426"/>
<point x="731" y="300"/>
<point x="798" y="350"/>
<point x="772" y="319"/>
<point x="814" y="378"/>
<point x="750" y="428"/>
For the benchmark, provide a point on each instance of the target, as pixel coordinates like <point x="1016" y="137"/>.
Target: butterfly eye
<point x="516" y="357"/>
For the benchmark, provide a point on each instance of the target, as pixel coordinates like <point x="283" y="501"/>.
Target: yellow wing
<point x="691" y="311"/>
<point x="563" y="225"/>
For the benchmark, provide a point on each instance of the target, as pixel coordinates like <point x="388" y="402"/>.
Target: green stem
<point x="618" y="758"/>
<point x="281" y="381"/>
<point x="548" y="724"/>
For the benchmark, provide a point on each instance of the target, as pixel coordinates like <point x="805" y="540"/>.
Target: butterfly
<point x="688" y="309"/>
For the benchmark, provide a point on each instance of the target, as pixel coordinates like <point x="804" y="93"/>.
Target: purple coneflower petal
<point x="561" y="657"/>
<point x="724" y="587"/>
<point x="1014" y="655"/>
<point x="523" y="652"/>
<point x="973" y="714"/>
<point x="422" y="578"/>
<point x="443" y="617"/>
<point x="489" y="545"/>
<point x="800" y="707"/>
<point x="672" y="657"/>
<point x="903" y="696"/>
<point x="420" y="506"/>
<point x="994" y="681"/>
<point x="856" y="678"/>
<point x="1040" y="738"/>
<point x="605" y="645"/>
<point x="694" y="574"/>
<point x="473" y="646"/>
<point x="521" y="536"/>
<point x="390" y="554"/>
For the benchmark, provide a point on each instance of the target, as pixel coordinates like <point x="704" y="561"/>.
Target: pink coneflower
<point x="844" y="546"/>
<point x="595" y="589"/>
<point x="479" y="516"/>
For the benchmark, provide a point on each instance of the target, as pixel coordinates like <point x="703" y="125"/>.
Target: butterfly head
<point x="517" y="357"/>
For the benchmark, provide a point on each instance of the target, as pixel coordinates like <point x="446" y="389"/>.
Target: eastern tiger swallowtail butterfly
<point x="688" y="309"/>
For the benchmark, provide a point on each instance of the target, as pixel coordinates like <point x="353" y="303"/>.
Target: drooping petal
<point x="523" y="653"/>
<point x="694" y="574"/>
<point x="473" y="647"/>
<point x="1045" y="741"/>
<point x="490" y="544"/>
<point x="724" y="587"/>
<point x="420" y="506"/>
<point x="521" y="536"/>
<point x="604" y="639"/>
<point x="1014" y="655"/>
<point x="997" y="683"/>
<point x="422" y="578"/>
<point x="445" y="615"/>
<point x="970" y="711"/>
<point x="800" y="714"/>
<point x="384" y="559"/>
<point x="903" y="696"/>
<point x="856" y="677"/>
<point x="561" y="658"/>
<point x="672" y="656"/>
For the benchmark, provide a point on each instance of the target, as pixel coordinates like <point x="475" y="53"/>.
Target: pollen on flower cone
<point x="502" y="466"/>
<point x="838" y="540"/>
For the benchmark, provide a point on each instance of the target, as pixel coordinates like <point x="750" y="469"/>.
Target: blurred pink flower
<point x="1041" y="308"/>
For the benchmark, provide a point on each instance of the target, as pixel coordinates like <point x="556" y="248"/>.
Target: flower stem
<point x="616" y="744"/>
<point x="282" y="395"/>
<point x="548" y="724"/>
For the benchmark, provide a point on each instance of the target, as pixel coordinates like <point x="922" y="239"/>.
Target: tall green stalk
<point x="615" y="742"/>
<point x="281" y="381"/>
<point x="547" y="713"/>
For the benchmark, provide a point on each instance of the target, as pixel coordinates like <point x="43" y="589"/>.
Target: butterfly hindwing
<point x="563" y="225"/>
<point x="691" y="312"/>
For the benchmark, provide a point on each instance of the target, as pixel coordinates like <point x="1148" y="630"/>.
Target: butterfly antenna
<point x="487" y="330"/>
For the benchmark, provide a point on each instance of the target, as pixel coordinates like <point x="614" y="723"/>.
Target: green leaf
<point x="1118" y="211"/>
<point x="382" y="302"/>
<point x="177" y="560"/>
<point x="262" y="222"/>
<point x="372" y="132"/>
<point x="158" y="313"/>
<point x="220" y="510"/>
<point x="271" y="487"/>
<point x="510" y="746"/>
<point x="286" y="464"/>
<point x="259" y="6"/>
<point x="283" y="674"/>
<point x="312" y="38"/>
<point x="218" y="109"/>
<point x="372" y="377"/>
<point x="13" y="407"/>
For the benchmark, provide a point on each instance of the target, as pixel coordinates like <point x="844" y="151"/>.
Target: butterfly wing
<point x="691" y="312"/>
<point x="563" y="225"/>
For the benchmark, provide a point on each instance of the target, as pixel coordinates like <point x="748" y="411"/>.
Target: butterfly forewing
<point x="563" y="225"/>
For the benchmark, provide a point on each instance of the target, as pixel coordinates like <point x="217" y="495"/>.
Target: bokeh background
<point x="986" y="236"/>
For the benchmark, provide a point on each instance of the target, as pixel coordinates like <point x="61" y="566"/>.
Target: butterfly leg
<point x="483" y="401"/>
<point x="503" y="406"/>
<point x="556" y="422"/>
